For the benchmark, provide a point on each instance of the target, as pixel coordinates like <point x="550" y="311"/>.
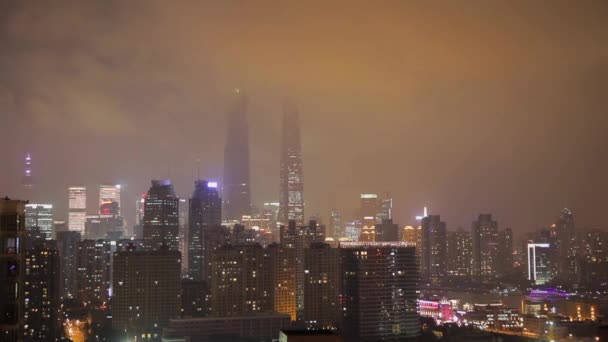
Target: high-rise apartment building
<point x="460" y="253"/>
<point x="485" y="248"/>
<point x="12" y="268"/>
<point x="146" y="286"/>
<point x="322" y="285"/>
<point x="93" y="277"/>
<point x="77" y="208"/>
<point x="505" y="252"/>
<point x="39" y="217"/>
<point x="161" y="216"/>
<point x="67" y="246"/>
<point x="42" y="320"/>
<point x="291" y="185"/>
<point x="379" y="292"/>
<point x="238" y="281"/>
<point x="205" y="211"/>
<point x="413" y="236"/>
<point x="433" y="250"/>
<point x="282" y="275"/>
<point x="236" y="186"/>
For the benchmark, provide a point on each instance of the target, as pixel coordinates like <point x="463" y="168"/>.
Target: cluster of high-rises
<point x="215" y="266"/>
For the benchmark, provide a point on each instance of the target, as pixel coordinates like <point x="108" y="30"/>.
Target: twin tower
<point x="237" y="191"/>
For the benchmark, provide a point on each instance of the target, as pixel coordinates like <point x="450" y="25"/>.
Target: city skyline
<point x="515" y="129"/>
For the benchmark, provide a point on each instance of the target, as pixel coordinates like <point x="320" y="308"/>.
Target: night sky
<point x="463" y="106"/>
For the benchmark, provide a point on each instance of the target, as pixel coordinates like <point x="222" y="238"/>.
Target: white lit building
<point x="77" y="208"/>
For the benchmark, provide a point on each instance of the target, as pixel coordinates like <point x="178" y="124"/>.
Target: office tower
<point x="386" y="209"/>
<point x="12" y="267"/>
<point x="103" y="227"/>
<point x="205" y="211"/>
<point x="67" y="246"/>
<point x="387" y="231"/>
<point x="146" y="289"/>
<point x="184" y="209"/>
<point x="42" y="292"/>
<point x="485" y="248"/>
<point x="77" y="208"/>
<point x="109" y="194"/>
<point x="93" y="271"/>
<point x="433" y="250"/>
<point x="379" y="291"/>
<point x="282" y="275"/>
<point x="291" y="186"/>
<point x="539" y="269"/>
<point x="369" y="209"/>
<point x="460" y="253"/>
<point x="28" y="177"/>
<point x="321" y="287"/>
<point x="412" y="235"/>
<point x="505" y="252"/>
<point x="336" y="226"/>
<point x="236" y="186"/>
<point x="161" y="216"/>
<point x="238" y="282"/>
<point x="40" y="216"/>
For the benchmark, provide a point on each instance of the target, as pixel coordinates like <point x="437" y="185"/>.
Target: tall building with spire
<point x="236" y="187"/>
<point x="291" y="187"/>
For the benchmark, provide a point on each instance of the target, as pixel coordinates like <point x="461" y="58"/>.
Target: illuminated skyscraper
<point x="236" y="187"/>
<point x="336" y="226"/>
<point x="485" y="248"/>
<point x="39" y="216"/>
<point x="77" y="208"/>
<point x="433" y="250"/>
<point x="161" y="216"/>
<point x="369" y="209"/>
<point x="205" y="212"/>
<point x="539" y="270"/>
<point x="109" y="193"/>
<point x="291" y="186"/>
<point x="67" y="246"/>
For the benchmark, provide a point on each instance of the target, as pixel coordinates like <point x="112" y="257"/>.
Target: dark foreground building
<point x="380" y="280"/>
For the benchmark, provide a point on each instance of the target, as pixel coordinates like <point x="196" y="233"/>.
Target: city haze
<point x="464" y="107"/>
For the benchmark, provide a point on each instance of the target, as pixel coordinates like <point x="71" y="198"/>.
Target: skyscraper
<point x="40" y="216"/>
<point x="433" y="252"/>
<point x="336" y="226"/>
<point x="379" y="292"/>
<point x="77" y="208"/>
<point x="12" y="267"/>
<point x="370" y="207"/>
<point x="108" y="194"/>
<point x="291" y="186"/>
<point x="565" y="245"/>
<point x="93" y="272"/>
<point x="321" y="286"/>
<point x="387" y="231"/>
<point x="236" y="187"/>
<point x="205" y="210"/>
<point x="485" y="248"/>
<point x="161" y="216"/>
